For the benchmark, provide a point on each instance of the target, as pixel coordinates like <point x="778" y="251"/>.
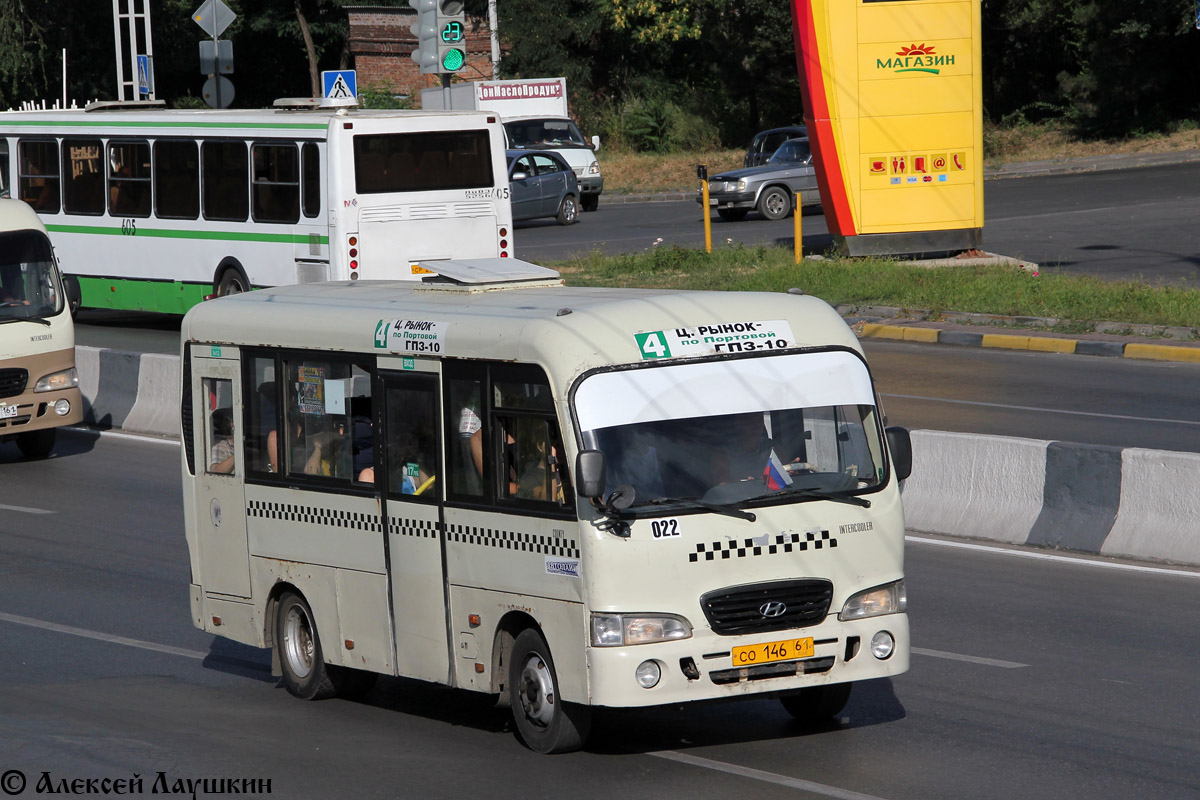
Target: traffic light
<point x="452" y="36"/>
<point x="426" y="30"/>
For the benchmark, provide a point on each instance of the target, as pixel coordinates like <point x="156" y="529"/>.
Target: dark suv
<point x="767" y="142"/>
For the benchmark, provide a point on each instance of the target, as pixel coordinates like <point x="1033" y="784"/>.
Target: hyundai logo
<point x="774" y="608"/>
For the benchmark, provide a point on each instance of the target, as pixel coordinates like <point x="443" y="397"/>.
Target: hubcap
<point x="536" y="690"/>
<point x="298" y="644"/>
<point x="775" y="204"/>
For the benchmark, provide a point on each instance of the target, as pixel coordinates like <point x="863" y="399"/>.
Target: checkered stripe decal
<point x="783" y="543"/>
<point x="513" y="540"/>
<point x="311" y="515"/>
<point x="419" y="528"/>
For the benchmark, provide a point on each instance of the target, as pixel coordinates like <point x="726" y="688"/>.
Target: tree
<point x="23" y="50"/>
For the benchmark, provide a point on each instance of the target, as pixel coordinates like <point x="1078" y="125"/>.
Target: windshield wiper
<point x="42" y="320"/>
<point x="821" y="494"/>
<point x="727" y="510"/>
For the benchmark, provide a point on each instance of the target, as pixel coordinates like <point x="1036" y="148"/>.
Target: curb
<point x="1032" y="342"/>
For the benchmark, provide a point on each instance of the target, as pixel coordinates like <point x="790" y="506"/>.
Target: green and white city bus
<point x="154" y="210"/>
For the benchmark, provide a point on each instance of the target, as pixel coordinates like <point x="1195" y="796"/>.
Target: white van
<point x="564" y="497"/>
<point x="39" y="387"/>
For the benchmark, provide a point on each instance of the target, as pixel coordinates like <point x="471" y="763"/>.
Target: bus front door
<point x="220" y="467"/>
<point x="413" y="487"/>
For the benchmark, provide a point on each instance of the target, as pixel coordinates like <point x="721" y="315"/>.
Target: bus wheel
<point x="817" y="703"/>
<point x="232" y="282"/>
<point x="305" y="673"/>
<point x="546" y="724"/>
<point x="36" y="444"/>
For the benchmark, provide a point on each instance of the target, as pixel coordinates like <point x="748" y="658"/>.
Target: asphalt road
<point x="1032" y="677"/>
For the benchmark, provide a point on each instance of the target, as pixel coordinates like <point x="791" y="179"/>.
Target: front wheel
<point x="36" y="444"/>
<point x="775" y="203"/>
<point x="568" y="211"/>
<point x="305" y="673"/>
<point x="232" y="282"/>
<point x="817" y="703"/>
<point x="546" y="723"/>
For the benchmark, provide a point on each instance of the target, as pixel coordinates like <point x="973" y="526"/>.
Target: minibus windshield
<point x="29" y="286"/>
<point x="788" y="428"/>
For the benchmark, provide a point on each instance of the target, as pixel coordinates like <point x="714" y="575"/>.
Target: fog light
<point x="648" y="674"/>
<point x="882" y="645"/>
<point x="62" y="407"/>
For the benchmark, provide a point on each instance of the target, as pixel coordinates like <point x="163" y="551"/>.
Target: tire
<point x="36" y="444"/>
<point x="817" y="703"/>
<point x="775" y="203"/>
<point x="568" y="211"/>
<point x="545" y="723"/>
<point x="733" y="214"/>
<point x="589" y="202"/>
<point x="305" y="673"/>
<point x="232" y="282"/>
<point x="73" y="293"/>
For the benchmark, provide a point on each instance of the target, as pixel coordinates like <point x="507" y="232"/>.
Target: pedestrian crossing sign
<point x="340" y="86"/>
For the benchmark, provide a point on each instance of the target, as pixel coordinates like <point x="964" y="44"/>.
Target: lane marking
<point x="766" y="777"/>
<point x="987" y="662"/>
<point x="123" y="435"/>
<point x="16" y="619"/>
<point x="1095" y="414"/>
<point x="1078" y="560"/>
<point x="27" y="510"/>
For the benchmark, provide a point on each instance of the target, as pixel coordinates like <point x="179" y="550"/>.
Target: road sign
<point x="218" y="91"/>
<point x="214" y="17"/>
<point x="145" y="75"/>
<point x="340" y="86"/>
<point x="216" y="57"/>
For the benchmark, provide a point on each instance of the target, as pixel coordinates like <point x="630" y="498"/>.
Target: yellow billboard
<point x="893" y="102"/>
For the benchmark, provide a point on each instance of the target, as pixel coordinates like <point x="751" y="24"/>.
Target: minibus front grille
<point x="12" y="381"/>
<point x="773" y="606"/>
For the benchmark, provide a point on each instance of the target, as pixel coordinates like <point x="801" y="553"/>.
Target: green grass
<point x="990" y="290"/>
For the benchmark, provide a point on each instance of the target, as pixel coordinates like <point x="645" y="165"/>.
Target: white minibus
<point x="39" y="387"/>
<point x="154" y="210"/>
<point x="568" y="498"/>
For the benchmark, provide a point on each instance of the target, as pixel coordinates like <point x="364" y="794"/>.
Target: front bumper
<point x="591" y="184"/>
<point x="842" y="654"/>
<point x="35" y="410"/>
<point x="729" y="199"/>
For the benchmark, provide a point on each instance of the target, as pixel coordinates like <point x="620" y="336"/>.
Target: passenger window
<point x="177" y="179"/>
<point x="83" y="176"/>
<point x="225" y="167"/>
<point x="276" y="183"/>
<point x="38" y="176"/>
<point x="545" y="165"/>
<point x="412" y="442"/>
<point x="328" y="419"/>
<point x="262" y="445"/>
<point x="528" y="439"/>
<point x="465" y="450"/>
<point x="219" y="426"/>
<point x="129" y="179"/>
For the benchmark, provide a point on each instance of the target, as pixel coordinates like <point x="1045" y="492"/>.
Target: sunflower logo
<point x="916" y="50"/>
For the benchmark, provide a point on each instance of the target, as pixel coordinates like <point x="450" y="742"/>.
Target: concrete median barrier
<point x="1127" y="502"/>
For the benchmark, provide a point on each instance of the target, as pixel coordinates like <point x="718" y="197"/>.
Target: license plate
<point x="7" y="412"/>
<point x="767" y="652"/>
<point x="712" y="201"/>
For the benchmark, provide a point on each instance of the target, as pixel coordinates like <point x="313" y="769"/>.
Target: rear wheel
<point x="732" y="214"/>
<point x="775" y="203"/>
<point x="36" y="444"/>
<point x="817" y="703"/>
<point x="568" y="211"/>
<point x="546" y="723"/>
<point x="305" y="673"/>
<point x="232" y="282"/>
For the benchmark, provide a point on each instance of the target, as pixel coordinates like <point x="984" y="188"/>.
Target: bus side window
<point x="276" y="183"/>
<point x="226" y="174"/>
<point x="412" y="442"/>
<point x="261" y="446"/>
<point x="465" y="429"/>
<point x="176" y="179"/>
<point x="83" y="176"/>
<point x="38" y="180"/>
<point x="323" y="396"/>
<point x="311" y="179"/>
<point x="129" y="179"/>
<point x="219" y="426"/>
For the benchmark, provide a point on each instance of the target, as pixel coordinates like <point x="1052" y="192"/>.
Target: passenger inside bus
<point x="220" y="457"/>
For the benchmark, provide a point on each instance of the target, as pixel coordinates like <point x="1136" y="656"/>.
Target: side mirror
<point x="519" y="176"/>
<point x="595" y="143"/>
<point x="900" y="445"/>
<point x="589" y="473"/>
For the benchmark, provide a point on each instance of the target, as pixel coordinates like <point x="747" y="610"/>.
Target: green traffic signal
<point x="453" y="59"/>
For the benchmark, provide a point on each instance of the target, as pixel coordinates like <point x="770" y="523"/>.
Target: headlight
<point x="615" y="630"/>
<point x="715" y="186"/>
<point x="887" y="599"/>
<point x="67" y="379"/>
<point x="595" y="168"/>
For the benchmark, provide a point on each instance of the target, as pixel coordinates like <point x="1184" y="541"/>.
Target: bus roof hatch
<point x="478" y="271"/>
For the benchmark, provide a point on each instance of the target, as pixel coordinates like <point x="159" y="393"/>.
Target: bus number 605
<point x="129" y="227"/>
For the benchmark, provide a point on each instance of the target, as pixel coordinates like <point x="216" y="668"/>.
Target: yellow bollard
<point x="706" y="212"/>
<point x="798" y="225"/>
